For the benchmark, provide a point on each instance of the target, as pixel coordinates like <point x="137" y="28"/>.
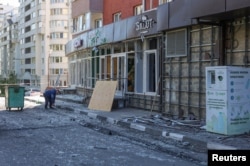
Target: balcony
<point x="41" y="30"/>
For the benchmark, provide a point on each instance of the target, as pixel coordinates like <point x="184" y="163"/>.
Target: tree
<point x="11" y="80"/>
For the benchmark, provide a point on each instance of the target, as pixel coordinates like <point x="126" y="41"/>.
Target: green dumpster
<point x="14" y="97"/>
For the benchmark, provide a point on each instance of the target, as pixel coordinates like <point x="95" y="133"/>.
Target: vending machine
<point x="228" y="100"/>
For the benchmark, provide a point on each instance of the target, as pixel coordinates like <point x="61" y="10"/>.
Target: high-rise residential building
<point x="44" y="29"/>
<point x="8" y="39"/>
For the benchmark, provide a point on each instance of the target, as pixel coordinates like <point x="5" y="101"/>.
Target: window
<point x="114" y="67"/>
<point x="58" y="11"/>
<point x="27" y="50"/>
<point x="164" y="1"/>
<point x="57" y="47"/>
<point x="27" y="61"/>
<point x="33" y="60"/>
<point x="27" y="39"/>
<point x="56" y="1"/>
<point x="98" y="23"/>
<point x="40" y="24"/>
<point x="146" y="68"/>
<point x="33" y="26"/>
<point x="137" y="10"/>
<point x="56" y="71"/>
<point x="27" y="18"/>
<point x="28" y="70"/>
<point x="117" y="16"/>
<point x="58" y="23"/>
<point x="176" y="43"/>
<point x="58" y="35"/>
<point x="79" y="23"/>
<point x="131" y="72"/>
<point x="57" y="59"/>
<point x="150" y="71"/>
<point x="33" y="38"/>
<point x="33" y="15"/>
<point x="85" y="73"/>
<point x="118" y="72"/>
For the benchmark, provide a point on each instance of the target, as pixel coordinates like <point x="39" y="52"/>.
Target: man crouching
<point x="50" y="97"/>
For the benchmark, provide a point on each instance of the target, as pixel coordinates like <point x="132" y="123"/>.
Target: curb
<point x="174" y="136"/>
<point x="69" y="100"/>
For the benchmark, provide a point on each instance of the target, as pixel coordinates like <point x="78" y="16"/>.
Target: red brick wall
<point x="151" y="3"/>
<point x="126" y="7"/>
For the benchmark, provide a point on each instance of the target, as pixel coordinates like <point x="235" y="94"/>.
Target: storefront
<point x="159" y="57"/>
<point x="126" y="51"/>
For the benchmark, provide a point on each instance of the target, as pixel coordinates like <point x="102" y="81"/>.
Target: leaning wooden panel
<point x="103" y="95"/>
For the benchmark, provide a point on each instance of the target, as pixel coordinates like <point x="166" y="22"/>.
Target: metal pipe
<point x="189" y="69"/>
<point x="222" y="42"/>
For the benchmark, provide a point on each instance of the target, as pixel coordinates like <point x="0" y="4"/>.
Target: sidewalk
<point x="187" y="132"/>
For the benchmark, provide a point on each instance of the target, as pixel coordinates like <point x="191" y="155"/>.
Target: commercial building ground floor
<point x="159" y="68"/>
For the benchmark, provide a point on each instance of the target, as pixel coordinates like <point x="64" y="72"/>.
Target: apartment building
<point x="158" y="51"/>
<point x="44" y="29"/>
<point x="86" y="16"/>
<point x="8" y="40"/>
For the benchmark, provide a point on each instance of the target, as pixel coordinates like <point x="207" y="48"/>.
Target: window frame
<point x="164" y="1"/>
<point x="167" y="41"/>
<point x="146" y="61"/>
<point x="117" y="16"/>
<point x="119" y="67"/>
<point x="136" y="10"/>
<point x="98" y="23"/>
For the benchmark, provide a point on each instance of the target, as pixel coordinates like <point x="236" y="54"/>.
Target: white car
<point x="33" y="92"/>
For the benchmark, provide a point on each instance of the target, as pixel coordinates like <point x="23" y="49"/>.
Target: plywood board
<point x="103" y="95"/>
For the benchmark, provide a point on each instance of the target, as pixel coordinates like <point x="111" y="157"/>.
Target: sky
<point x="14" y="3"/>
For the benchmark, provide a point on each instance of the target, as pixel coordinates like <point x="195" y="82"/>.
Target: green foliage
<point x="11" y="80"/>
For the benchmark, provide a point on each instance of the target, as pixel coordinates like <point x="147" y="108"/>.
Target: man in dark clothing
<point x="49" y="96"/>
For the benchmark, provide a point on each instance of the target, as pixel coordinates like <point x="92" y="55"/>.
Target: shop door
<point x="118" y="72"/>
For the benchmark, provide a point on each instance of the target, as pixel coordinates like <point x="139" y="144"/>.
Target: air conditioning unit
<point x="67" y="3"/>
<point x="65" y="27"/>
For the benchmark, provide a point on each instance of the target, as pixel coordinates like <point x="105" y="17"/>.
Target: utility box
<point x="228" y="100"/>
<point x="14" y="97"/>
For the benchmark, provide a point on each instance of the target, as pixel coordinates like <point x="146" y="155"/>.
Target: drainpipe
<point x="222" y="43"/>
<point x="161" y="58"/>
<point x="143" y="5"/>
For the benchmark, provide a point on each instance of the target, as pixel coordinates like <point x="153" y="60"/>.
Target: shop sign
<point x="78" y="43"/>
<point x="145" y="23"/>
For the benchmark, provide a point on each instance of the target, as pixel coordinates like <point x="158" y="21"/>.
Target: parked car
<point x="33" y="92"/>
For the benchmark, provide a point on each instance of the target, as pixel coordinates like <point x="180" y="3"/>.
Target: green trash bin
<point x="14" y="97"/>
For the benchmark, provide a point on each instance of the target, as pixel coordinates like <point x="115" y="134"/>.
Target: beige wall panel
<point x="103" y="95"/>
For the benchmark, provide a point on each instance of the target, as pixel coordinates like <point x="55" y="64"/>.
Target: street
<point x="56" y="137"/>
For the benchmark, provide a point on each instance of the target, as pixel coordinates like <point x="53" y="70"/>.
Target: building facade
<point x="44" y="29"/>
<point x="8" y="37"/>
<point x="86" y="16"/>
<point x="159" y="56"/>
